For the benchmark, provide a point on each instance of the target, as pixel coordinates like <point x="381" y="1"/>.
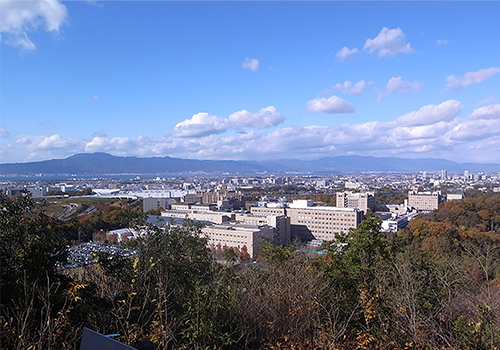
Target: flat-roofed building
<point x="152" y="203"/>
<point x="266" y="211"/>
<point x="325" y="223"/>
<point x="193" y="197"/>
<point x="425" y="201"/>
<point x="217" y="217"/>
<point x="181" y="206"/>
<point x="280" y="224"/>
<point x="237" y="235"/>
<point x="392" y="222"/>
<point x="362" y="201"/>
<point x="235" y="198"/>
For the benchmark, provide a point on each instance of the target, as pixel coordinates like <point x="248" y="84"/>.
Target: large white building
<point x="309" y="222"/>
<point x="425" y="201"/>
<point x="362" y="201"/>
<point x="238" y="235"/>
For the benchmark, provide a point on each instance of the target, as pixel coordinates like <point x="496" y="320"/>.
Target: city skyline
<point x="250" y="80"/>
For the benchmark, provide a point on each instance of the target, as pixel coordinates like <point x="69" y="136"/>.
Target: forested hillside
<point x="433" y="285"/>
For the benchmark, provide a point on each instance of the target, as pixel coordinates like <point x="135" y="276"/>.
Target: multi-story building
<point x="362" y="201"/>
<point x="325" y="223"/>
<point x="392" y="222"/>
<point x="150" y="203"/>
<point x="426" y="201"/>
<point x="266" y="211"/>
<point x="199" y="215"/>
<point x="280" y="224"/>
<point x="234" y="198"/>
<point x="237" y="235"/>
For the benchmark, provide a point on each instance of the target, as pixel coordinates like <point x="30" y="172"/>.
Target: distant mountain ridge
<point x="103" y="163"/>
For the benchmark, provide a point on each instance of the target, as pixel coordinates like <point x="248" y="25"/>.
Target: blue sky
<point x="250" y="80"/>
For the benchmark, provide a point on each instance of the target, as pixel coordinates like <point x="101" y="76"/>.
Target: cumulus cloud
<point x="53" y="142"/>
<point x="332" y="104"/>
<point x="431" y="114"/>
<point x="348" y="88"/>
<point x="472" y="130"/>
<point x="204" y="124"/>
<point x="388" y="42"/>
<point x="470" y="78"/>
<point x="201" y="124"/>
<point x="4" y="133"/>
<point x="116" y="145"/>
<point x="265" y="118"/>
<point x="433" y="130"/>
<point x="486" y="112"/>
<point x="345" y="52"/>
<point x="397" y="84"/>
<point x="250" y="63"/>
<point x="18" y="18"/>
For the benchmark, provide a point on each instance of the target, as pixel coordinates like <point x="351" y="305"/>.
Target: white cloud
<point x="470" y="78"/>
<point x="431" y="114"/>
<point x="397" y="84"/>
<point x="204" y="124"/>
<point x="4" y="133"/>
<point x="388" y="42"/>
<point x="345" y="52"/>
<point x="333" y="104"/>
<point x="487" y="100"/>
<point x="474" y="130"/>
<point x="18" y="18"/>
<point x="116" y="145"/>
<point x="348" y="88"/>
<point x="250" y="63"/>
<point x="431" y="131"/>
<point x="201" y="124"/>
<point x="265" y="118"/>
<point x="53" y="142"/>
<point x="486" y="112"/>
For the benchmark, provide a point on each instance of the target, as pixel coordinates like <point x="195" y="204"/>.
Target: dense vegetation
<point x="433" y="285"/>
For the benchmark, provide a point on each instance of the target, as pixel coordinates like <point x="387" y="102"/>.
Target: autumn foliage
<point x="433" y="285"/>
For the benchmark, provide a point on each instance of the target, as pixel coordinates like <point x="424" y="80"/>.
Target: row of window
<point x="215" y="241"/>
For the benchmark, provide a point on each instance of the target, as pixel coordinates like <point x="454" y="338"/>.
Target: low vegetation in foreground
<point x="433" y="285"/>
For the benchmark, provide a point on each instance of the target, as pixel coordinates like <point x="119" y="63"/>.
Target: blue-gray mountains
<point x="103" y="163"/>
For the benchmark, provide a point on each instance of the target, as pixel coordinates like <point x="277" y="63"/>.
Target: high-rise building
<point x="444" y="175"/>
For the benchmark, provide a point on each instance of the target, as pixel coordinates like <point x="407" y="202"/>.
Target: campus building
<point x="309" y="222"/>
<point x="238" y="235"/>
<point x="425" y="201"/>
<point x="362" y="201"/>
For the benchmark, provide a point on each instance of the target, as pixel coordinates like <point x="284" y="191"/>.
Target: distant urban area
<point x="243" y="212"/>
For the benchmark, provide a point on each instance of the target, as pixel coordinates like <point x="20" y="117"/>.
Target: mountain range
<point x="103" y="163"/>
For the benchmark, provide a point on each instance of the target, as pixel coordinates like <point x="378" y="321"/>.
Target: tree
<point x="36" y="300"/>
<point x="31" y="245"/>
